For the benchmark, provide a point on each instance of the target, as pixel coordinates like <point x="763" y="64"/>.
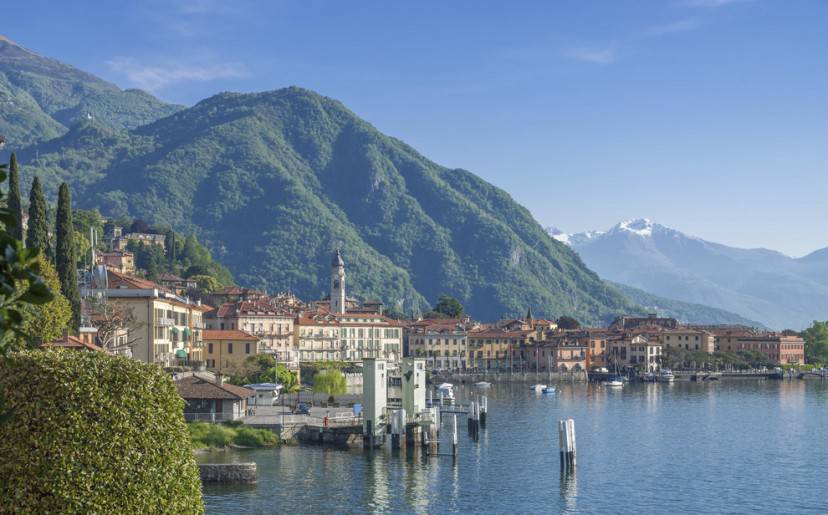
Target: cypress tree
<point x="65" y="260"/>
<point x="37" y="237"/>
<point x="15" y="207"/>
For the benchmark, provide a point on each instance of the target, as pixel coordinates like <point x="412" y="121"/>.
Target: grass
<point x="206" y="435"/>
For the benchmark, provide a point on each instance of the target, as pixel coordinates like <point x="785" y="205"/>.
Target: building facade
<point x="226" y="350"/>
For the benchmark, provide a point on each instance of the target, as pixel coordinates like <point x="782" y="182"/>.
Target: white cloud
<point x="154" y="77"/>
<point x="601" y="55"/>
<point x="713" y="3"/>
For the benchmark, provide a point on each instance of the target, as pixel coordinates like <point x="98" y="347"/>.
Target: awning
<point x="174" y="330"/>
<point x="181" y="354"/>
<point x="187" y="331"/>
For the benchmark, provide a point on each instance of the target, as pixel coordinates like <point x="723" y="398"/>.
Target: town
<point x="223" y="328"/>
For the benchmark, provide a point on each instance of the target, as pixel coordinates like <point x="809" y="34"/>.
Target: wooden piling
<point x="484" y="409"/>
<point x="567" y="445"/>
<point x="454" y="435"/>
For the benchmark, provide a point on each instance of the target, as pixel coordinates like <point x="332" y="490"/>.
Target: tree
<point x="15" y="207"/>
<point x="114" y="318"/>
<point x="331" y="382"/>
<point x="449" y="307"/>
<point x="47" y="321"/>
<point x="816" y="343"/>
<point x="567" y="322"/>
<point x="65" y="259"/>
<point x="169" y="245"/>
<point x="37" y="236"/>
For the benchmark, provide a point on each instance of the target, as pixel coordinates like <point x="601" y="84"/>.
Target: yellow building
<point x="225" y="350"/>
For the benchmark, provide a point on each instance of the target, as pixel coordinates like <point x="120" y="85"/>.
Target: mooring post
<point x="454" y="435"/>
<point x="484" y="408"/>
<point x="395" y="430"/>
<point x="403" y="435"/>
<point x="566" y="442"/>
<point x="574" y="448"/>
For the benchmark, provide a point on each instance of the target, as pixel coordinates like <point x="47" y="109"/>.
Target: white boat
<point x="615" y="382"/>
<point x="549" y="389"/>
<point x="482" y="384"/>
<point x="666" y="376"/>
<point x="445" y="392"/>
<point x="537" y="388"/>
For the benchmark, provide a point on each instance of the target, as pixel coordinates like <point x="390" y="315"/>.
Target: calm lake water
<point x="727" y="447"/>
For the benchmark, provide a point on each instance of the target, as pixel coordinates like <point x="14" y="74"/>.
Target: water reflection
<point x="569" y="491"/>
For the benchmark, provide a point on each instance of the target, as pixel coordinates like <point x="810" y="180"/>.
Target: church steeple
<point x="337" y="284"/>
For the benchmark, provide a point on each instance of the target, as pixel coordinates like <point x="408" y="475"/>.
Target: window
<point x="247" y="348"/>
<point x="209" y="348"/>
<point x="229" y="348"/>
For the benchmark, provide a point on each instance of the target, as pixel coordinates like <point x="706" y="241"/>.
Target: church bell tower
<point x="337" y="284"/>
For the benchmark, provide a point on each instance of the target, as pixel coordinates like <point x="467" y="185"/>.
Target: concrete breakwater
<point x="228" y="472"/>
<point x="508" y="377"/>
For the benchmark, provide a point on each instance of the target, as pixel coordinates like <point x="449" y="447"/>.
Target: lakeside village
<point x="214" y="337"/>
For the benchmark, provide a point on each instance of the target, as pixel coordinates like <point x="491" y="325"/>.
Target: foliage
<point x="331" y="382"/>
<point x="21" y="284"/>
<point x="448" y="307"/>
<point x="45" y="321"/>
<point x="262" y="368"/>
<point x="93" y="433"/>
<point x="204" y="435"/>
<point x="37" y="236"/>
<point x="273" y="182"/>
<point x="567" y="322"/>
<point x="14" y="205"/>
<point x="250" y="437"/>
<point x="816" y="343"/>
<point x="186" y="257"/>
<point x="65" y="257"/>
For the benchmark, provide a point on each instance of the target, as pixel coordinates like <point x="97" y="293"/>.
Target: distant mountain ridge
<point x="272" y="182"/>
<point x="40" y="98"/>
<point x="758" y="284"/>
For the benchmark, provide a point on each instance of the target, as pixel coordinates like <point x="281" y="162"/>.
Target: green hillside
<point x="41" y="97"/>
<point x="686" y="312"/>
<point x="274" y="181"/>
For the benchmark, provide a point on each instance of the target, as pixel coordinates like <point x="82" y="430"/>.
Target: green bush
<point x="204" y="434"/>
<point x="93" y="433"/>
<point x="250" y="437"/>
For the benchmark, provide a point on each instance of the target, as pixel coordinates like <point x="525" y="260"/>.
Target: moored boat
<point x="666" y="376"/>
<point x="537" y="388"/>
<point x="614" y="381"/>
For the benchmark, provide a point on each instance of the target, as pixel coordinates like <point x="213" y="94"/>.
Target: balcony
<point x="166" y="322"/>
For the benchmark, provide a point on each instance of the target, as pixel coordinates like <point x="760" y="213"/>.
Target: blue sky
<point x="709" y="116"/>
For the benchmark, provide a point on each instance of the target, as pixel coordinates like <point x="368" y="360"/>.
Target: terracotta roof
<point x="226" y="334"/>
<point x="73" y="342"/>
<point x="118" y="280"/>
<point x="199" y="387"/>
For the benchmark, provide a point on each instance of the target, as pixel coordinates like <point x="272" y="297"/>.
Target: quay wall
<point x="228" y="472"/>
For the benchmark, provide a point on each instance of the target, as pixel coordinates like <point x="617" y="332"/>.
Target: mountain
<point x="273" y="182"/>
<point x="41" y="97"/>
<point x="759" y="284"/>
<point x="684" y="312"/>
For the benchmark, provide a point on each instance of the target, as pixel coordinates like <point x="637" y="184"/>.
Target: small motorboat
<point x="445" y="392"/>
<point x="666" y="376"/>
<point x="614" y="381"/>
<point x="548" y="389"/>
<point x="482" y="384"/>
<point x="538" y="388"/>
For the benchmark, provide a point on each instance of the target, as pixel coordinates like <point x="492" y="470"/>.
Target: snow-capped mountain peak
<point x="640" y="227"/>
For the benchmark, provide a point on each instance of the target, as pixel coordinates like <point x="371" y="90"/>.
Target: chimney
<point x="219" y="379"/>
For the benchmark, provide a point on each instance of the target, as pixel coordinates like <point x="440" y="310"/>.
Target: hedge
<point x="93" y="433"/>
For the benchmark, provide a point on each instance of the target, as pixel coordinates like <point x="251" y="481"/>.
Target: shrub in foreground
<point x="93" y="433"/>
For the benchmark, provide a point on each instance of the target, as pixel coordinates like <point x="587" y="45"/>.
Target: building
<point x="777" y="348"/>
<point x="337" y="306"/>
<point x="212" y="400"/>
<point x="652" y="320"/>
<point x="596" y="348"/>
<point x="645" y="353"/>
<point x="491" y="348"/>
<point x="176" y="284"/>
<point x="273" y="326"/>
<point x="316" y="337"/>
<point x="168" y="329"/>
<point x="68" y="341"/>
<point x="375" y="397"/>
<point x="226" y="350"/>
<point x="121" y="242"/>
<point x="442" y="342"/>
<point x="369" y="335"/>
<point x="122" y="261"/>
<point x="233" y="294"/>
<point x="694" y="340"/>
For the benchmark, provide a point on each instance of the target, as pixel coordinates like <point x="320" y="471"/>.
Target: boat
<point x="614" y="381"/>
<point x="445" y="392"/>
<point x="548" y="389"/>
<point x="666" y="376"/>
<point x="482" y="384"/>
<point x="538" y="388"/>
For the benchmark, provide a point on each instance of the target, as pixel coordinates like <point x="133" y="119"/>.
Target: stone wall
<point x="228" y="473"/>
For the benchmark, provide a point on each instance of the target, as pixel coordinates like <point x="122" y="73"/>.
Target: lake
<point x="740" y="446"/>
